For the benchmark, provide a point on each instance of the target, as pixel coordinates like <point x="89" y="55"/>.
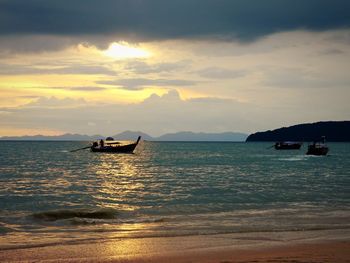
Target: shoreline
<point x="308" y="246"/>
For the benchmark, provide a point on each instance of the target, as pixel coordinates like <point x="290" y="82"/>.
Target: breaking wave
<point x="106" y="213"/>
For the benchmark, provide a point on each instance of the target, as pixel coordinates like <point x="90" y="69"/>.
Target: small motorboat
<point x="286" y="145"/>
<point x="318" y="148"/>
<point x="111" y="146"/>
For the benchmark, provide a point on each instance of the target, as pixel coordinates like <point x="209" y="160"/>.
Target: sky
<point x="160" y="66"/>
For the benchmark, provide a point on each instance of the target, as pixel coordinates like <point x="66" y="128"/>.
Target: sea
<point x="50" y="196"/>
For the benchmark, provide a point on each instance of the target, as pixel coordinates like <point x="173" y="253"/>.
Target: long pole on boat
<point x="80" y="149"/>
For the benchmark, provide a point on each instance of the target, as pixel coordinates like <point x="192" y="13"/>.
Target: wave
<point x="93" y="221"/>
<point x="295" y="158"/>
<point x="5" y="230"/>
<point x="54" y="215"/>
<point x="93" y="217"/>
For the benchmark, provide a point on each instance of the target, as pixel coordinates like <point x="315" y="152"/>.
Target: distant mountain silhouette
<point x="201" y="136"/>
<point x="335" y="131"/>
<point x="132" y="135"/>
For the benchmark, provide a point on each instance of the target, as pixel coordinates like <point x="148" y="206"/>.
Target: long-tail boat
<point x="110" y="146"/>
<point x="318" y="148"/>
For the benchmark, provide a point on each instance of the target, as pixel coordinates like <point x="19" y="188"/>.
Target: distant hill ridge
<point x="335" y="131"/>
<point x="132" y="135"/>
<point x="202" y="136"/>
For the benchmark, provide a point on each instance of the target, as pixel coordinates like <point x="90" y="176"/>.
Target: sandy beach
<point x="313" y="246"/>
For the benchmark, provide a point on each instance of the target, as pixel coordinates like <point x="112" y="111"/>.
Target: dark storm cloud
<point x="141" y="67"/>
<point x="79" y="88"/>
<point x="220" y="73"/>
<point x="138" y="83"/>
<point x="28" y="70"/>
<point x="161" y="19"/>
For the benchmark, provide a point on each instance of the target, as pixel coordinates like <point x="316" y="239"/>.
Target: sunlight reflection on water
<point x="116" y="176"/>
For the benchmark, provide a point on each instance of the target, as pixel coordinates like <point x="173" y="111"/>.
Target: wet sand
<point x="274" y="247"/>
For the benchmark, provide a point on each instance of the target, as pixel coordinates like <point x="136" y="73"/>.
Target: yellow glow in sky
<point x="123" y="50"/>
<point x="13" y="131"/>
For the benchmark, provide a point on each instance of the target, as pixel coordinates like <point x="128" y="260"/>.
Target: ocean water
<point x="49" y="195"/>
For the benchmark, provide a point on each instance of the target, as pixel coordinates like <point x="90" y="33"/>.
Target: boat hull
<point x="287" y="146"/>
<point x="314" y="150"/>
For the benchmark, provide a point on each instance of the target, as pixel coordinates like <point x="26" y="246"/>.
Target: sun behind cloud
<point x="124" y="50"/>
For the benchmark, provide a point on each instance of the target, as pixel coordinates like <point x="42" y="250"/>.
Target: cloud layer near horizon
<point x="156" y="115"/>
